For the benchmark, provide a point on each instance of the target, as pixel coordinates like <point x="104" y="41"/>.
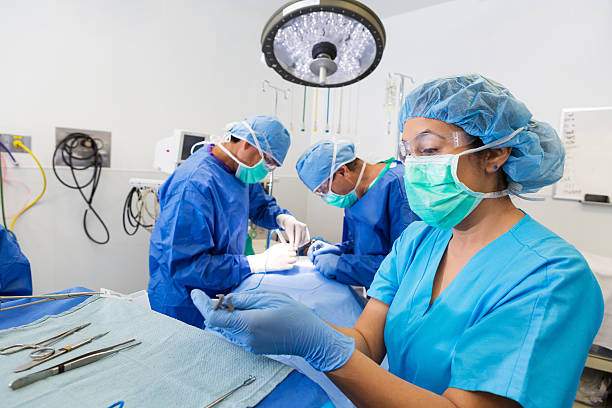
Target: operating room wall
<point x="550" y="54"/>
<point x="139" y="69"/>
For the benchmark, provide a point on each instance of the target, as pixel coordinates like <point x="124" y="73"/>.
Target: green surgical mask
<point x="434" y="191"/>
<point x="249" y="174"/>
<point x="343" y="201"/>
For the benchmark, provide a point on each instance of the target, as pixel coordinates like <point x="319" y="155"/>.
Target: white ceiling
<point x="388" y="8"/>
<point x="383" y="8"/>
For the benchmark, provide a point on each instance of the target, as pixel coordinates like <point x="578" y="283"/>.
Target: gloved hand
<point x="327" y="265"/>
<point x="296" y="230"/>
<point x="321" y="247"/>
<point x="279" y="257"/>
<point x="273" y="323"/>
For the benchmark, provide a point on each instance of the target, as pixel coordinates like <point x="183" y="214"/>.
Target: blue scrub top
<point x="15" y="274"/>
<point x="517" y="321"/>
<point x="200" y="235"/>
<point x="371" y="226"/>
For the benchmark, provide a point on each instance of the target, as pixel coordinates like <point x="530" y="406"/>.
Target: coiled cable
<point x="80" y="152"/>
<point x="135" y="217"/>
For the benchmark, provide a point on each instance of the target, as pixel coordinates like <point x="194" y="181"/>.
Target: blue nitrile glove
<point x="273" y="323"/>
<point x="320" y="247"/>
<point x="327" y="265"/>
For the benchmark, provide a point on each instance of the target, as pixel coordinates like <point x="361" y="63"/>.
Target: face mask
<point x="342" y="201"/>
<point x="244" y="173"/>
<point x="435" y="193"/>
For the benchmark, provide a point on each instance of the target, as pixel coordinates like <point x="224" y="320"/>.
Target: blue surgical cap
<point x="486" y="109"/>
<point x="272" y="136"/>
<point x="314" y="165"/>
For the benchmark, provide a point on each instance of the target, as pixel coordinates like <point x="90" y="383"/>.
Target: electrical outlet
<point x="8" y="140"/>
<point x="102" y="138"/>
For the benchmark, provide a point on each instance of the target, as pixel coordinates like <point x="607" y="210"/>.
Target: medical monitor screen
<point x="188" y="142"/>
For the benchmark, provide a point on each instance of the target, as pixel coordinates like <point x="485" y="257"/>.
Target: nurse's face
<point x="479" y="171"/>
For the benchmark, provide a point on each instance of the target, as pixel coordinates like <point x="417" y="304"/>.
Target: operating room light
<point x="323" y="43"/>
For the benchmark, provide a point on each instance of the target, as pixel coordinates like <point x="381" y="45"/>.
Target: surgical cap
<point x="314" y="165"/>
<point x="272" y="136"/>
<point x="486" y="109"/>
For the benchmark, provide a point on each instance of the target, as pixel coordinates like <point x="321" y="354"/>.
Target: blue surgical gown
<point x="517" y="321"/>
<point x="200" y="235"/>
<point x="371" y="226"/>
<point x="15" y="274"/>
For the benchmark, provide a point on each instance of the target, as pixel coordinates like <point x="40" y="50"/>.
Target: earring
<point x="495" y="167"/>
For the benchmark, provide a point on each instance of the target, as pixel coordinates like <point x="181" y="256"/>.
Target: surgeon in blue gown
<point x="199" y="238"/>
<point x="376" y="209"/>
<point x="15" y="274"/>
<point x="478" y="305"/>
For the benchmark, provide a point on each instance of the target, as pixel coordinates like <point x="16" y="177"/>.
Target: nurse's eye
<point x="430" y="151"/>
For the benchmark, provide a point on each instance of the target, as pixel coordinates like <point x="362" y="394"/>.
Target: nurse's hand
<point x="320" y="248"/>
<point x="327" y="265"/>
<point x="279" y="257"/>
<point x="296" y="230"/>
<point x="273" y="323"/>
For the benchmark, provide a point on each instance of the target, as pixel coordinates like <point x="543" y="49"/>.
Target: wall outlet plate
<point x="102" y="138"/>
<point x="7" y="140"/>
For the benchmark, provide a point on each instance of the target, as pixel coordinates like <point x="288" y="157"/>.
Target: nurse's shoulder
<point x="562" y="266"/>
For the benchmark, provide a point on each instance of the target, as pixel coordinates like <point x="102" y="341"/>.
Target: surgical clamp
<point x="228" y="302"/>
<point x="41" y="349"/>
<point x="57" y="353"/>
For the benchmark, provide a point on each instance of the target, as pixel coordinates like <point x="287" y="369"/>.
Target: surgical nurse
<point x="376" y="209"/>
<point x="479" y="305"/>
<point x="200" y="236"/>
<point x="15" y="274"/>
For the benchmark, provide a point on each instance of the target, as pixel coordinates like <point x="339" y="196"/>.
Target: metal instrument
<point x="76" y="362"/>
<point x="57" y="353"/>
<point x="43" y="298"/>
<point x="248" y="381"/>
<point x="228" y="302"/>
<point x="41" y="349"/>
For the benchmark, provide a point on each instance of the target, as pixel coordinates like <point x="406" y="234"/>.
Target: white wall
<point x="551" y="54"/>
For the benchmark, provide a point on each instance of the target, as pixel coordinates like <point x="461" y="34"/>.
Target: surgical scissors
<point x="41" y="349"/>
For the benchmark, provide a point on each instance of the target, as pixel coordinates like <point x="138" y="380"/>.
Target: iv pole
<point x="285" y="93"/>
<point x="401" y="96"/>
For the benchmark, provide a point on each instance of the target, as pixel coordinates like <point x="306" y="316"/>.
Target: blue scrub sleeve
<point x="15" y="274"/>
<point x="192" y="263"/>
<point x="357" y="270"/>
<point x="263" y="209"/>
<point x="532" y="347"/>
<point x="387" y="280"/>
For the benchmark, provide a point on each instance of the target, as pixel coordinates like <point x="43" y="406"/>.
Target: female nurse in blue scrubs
<point x="479" y="305"/>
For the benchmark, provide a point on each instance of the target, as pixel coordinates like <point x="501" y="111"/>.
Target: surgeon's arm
<point x="263" y="208"/>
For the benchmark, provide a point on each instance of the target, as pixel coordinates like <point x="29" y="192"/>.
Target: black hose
<point x="68" y="148"/>
<point x="134" y="219"/>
